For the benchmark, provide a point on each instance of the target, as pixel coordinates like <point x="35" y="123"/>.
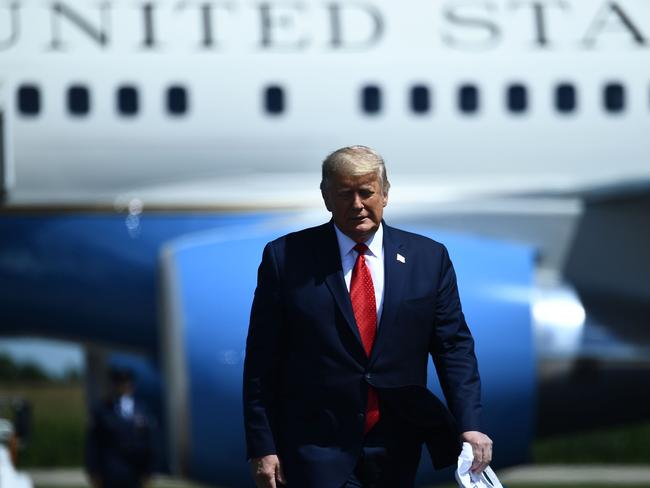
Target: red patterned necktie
<point x="362" y="294"/>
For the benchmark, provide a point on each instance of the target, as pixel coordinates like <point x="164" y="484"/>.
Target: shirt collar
<point x="375" y="243"/>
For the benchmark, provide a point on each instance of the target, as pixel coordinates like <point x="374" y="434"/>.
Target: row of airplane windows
<point x="274" y="99"/>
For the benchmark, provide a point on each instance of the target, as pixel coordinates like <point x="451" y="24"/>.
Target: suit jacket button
<point x="368" y="376"/>
<point x="361" y="416"/>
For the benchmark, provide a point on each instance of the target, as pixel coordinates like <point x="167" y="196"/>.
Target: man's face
<point x="122" y="388"/>
<point x="357" y="204"/>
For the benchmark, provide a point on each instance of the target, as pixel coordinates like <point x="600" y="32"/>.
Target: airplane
<point x="149" y="150"/>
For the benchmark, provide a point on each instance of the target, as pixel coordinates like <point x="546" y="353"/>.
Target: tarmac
<point x="550" y="474"/>
<point x="547" y="474"/>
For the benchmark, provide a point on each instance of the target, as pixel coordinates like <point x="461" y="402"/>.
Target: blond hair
<point x="354" y="161"/>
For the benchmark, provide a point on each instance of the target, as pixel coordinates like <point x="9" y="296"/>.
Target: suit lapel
<point x="329" y="259"/>
<point x="394" y="278"/>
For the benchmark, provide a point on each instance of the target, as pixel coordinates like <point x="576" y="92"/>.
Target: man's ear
<point x="385" y="198"/>
<point x="326" y="199"/>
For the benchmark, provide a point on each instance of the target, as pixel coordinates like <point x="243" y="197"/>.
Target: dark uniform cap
<point x="120" y="374"/>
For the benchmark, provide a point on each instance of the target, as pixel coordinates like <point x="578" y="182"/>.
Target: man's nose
<point x="357" y="202"/>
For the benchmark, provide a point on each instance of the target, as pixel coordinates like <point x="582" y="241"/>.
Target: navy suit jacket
<point x="120" y="451"/>
<point x="306" y="373"/>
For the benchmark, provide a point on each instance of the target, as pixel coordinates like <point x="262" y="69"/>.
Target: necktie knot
<point x="361" y="248"/>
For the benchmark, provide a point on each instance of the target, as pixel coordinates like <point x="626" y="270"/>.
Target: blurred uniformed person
<point x="120" y="445"/>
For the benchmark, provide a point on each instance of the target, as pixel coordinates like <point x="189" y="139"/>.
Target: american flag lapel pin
<point x="401" y="258"/>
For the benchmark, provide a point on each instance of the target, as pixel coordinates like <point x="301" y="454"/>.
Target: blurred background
<point x="149" y="150"/>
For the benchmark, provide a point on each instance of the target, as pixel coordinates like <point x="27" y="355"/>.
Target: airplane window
<point x="127" y="100"/>
<point x="420" y="101"/>
<point x="176" y="100"/>
<point x="468" y="98"/>
<point x="517" y="98"/>
<point x="78" y="100"/>
<point x="614" y="97"/>
<point x="29" y="100"/>
<point x="274" y="101"/>
<point x="565" y="97"/>
<point x="371" y="99"/>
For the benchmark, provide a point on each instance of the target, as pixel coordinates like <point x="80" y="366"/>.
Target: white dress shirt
<point x="374" y="259"/>
<point x="126" y="406"/>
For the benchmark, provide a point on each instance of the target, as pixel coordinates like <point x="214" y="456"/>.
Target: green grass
<point x="58" y="422"/>
<point x="628" y="444"/>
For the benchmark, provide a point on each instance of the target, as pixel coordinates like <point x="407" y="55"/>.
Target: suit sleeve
<point x="262" y="358"/>
<point x="452" y="348"/>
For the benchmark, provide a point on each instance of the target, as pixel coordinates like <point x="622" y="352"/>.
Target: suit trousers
<point x="386" y="461"/>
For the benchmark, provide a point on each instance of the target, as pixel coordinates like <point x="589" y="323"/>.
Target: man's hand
<point x="266" y="471"/>
<point x="481" y="447"/>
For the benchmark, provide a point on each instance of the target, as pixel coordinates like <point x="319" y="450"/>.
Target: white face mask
<point x="467" y="479"/>
<point x="126" y="405"/>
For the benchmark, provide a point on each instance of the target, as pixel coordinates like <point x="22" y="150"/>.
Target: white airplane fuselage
<point x="226" y="147"/>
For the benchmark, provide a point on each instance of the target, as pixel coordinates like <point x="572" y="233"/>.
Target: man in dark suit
<point x="121" y="450"/>
<point x="343" y="320"/>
